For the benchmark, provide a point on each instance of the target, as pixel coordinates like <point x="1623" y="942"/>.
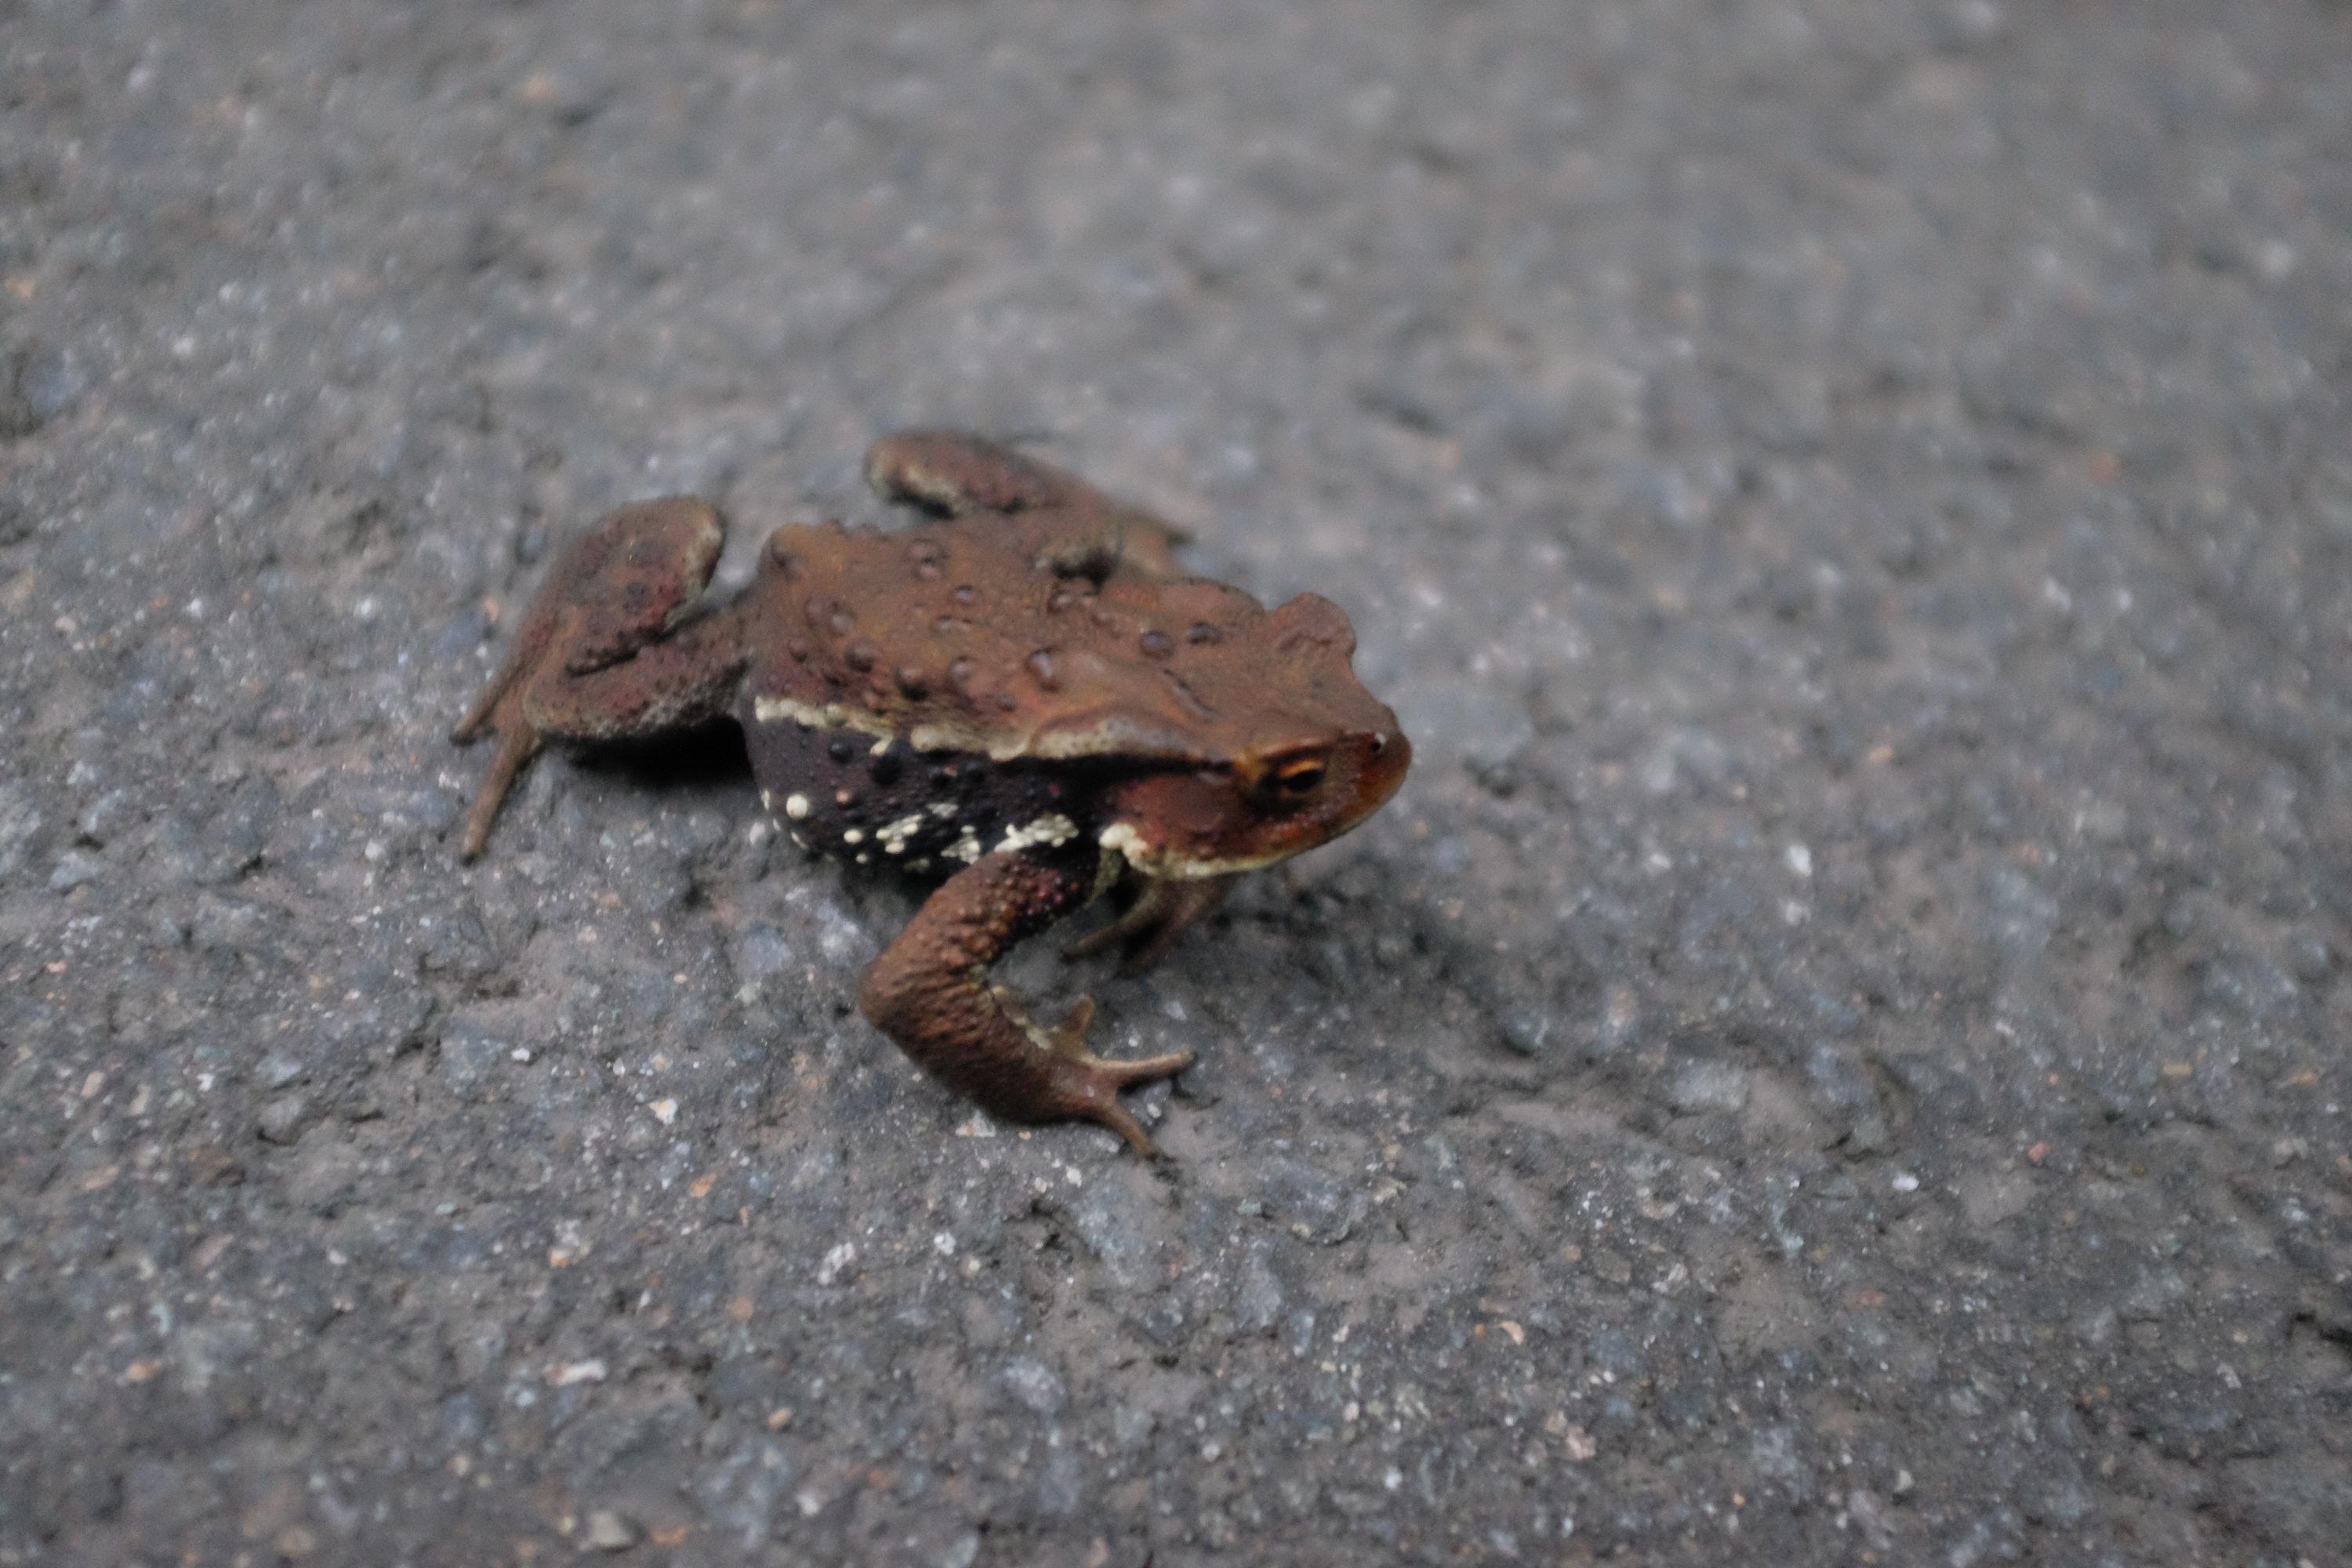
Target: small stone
<point x="1775" y="1453"/>
<point x="1613" y="1266"/>
<point x="1258" y="1304"/>
<point x="281" y="1119"/>
<point x="106" y="816"/>
<point x="2157" y="1290"/>
<point x="1613" y="1350"/>
<point x="1526" y="1028"/>
<point x="2019" y="917"/>
<point x="470" y="1054"/>
<point x="1034" y="1384"/>
<point x="1312" y="1201"/>
<point x="278" y="1069"/>
<point x="1869" y="1135"/>
<point x="18" y="823"/>
<point x="608" y="1532"/>
<point x="436" y="809"/>
<point x="1120" y="1228"/>
<point x="1163" y="1322"/>
<point x="1708" y="1087"/>
<point x="50" y="379"/>
<point x="74" y="867"/>
<point x="225" y="926"/>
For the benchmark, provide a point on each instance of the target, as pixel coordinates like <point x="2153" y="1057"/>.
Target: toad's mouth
<point x="1167" y="861"/>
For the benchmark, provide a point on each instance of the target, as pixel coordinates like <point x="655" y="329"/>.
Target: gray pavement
<point x="1838" y="1055"/>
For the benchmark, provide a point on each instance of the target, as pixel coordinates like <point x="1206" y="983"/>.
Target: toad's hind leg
<point x="949" y="474"/>
<point x="928" y="991"/>
<point x="601" y="655"/>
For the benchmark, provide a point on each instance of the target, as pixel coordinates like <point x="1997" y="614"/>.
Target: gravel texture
<point x="1837" y="1055"/>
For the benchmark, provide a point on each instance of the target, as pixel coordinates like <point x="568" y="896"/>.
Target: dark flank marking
<point x="893" y="799"/>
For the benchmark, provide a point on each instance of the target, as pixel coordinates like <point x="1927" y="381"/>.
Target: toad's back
<point x="1010" y="636"/>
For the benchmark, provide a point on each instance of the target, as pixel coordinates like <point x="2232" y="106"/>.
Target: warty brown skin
<point x="1021" y="692"/>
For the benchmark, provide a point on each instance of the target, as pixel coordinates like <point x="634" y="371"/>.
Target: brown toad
<point x="1019" y="694"/>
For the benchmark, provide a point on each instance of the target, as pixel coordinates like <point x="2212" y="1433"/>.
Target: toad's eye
<point x="1299" y="778"/>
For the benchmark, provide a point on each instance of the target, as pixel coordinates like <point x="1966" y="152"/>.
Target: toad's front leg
<point x="929" y="991"/>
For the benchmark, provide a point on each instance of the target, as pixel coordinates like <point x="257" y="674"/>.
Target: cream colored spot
<point x="943" y="809"/>
<point x="831" y="716"/>
<point x="864" y="858"/>
<point x="768" y="800"/>
<point x="894" y="835"/>
<point x="796" y="806"/>
<point x="966" y="848"/>
<point x="1051" y="828"/>
<point x="883" y="744"/>
<point x="854" y="835"/>
<point x="942" y="737"/>
<point x="1122" y="838"/>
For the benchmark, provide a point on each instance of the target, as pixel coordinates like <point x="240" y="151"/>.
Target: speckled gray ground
<point x="1836" y="1057"/>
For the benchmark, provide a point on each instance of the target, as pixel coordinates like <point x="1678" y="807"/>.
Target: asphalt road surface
<point x="1837" y="1055"/>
